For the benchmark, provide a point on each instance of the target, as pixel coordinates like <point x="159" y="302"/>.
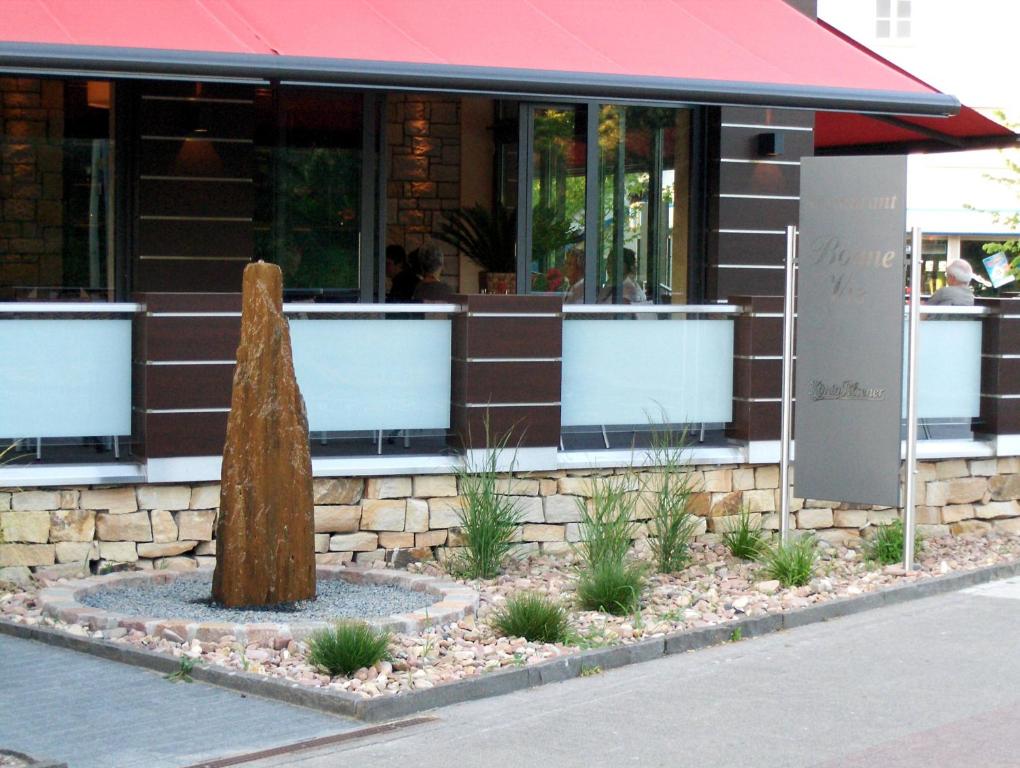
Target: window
<point x="56" y="166"/>
<point x="892" y="18"/>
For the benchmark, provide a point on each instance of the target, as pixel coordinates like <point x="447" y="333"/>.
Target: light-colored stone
<point x="334" y="558"/>
<point x="936" y="493"/>
<point x="760" y="501"/>
<point x="743" y="479"/>
<point x="118" y="551"/>
<point x="394" y="540"/>
<point x="970" y="528"/>
<point x="388" y="488"/>
<point x="700" y="526"/>
<point x="562" y="509"/>
<point x="547" y="487"/>
<point x="965" y="490"/>
<point x="430" y="539"/>
<point x="16" y="574"/>
<point x="766" y="477"/>
<point x="574" y="486"/>
<point x="69" y="498"/>
<point x="341" y="519"/>
<point x="164" y="529"/>
<point x="25" y="527"/>
<point x="5" y="502"/>
<point x="838" y="536"/>
<point x="175" y="564"/>
<point x="928" y="516"/>
<point x="383" y="514"/>
<point x="719" y="481"/>
<point x="128" y="526"/>
<point x="195" y="524"/>
<point x="530" y="508"/>
<point x="819" y="503"/>
<point x="927" y="531"/>
<point x="572" y="532"/>
<point x="205" y="562"/>
<point x="725" y="504"/>
<point x="445" y="513"/>
<point x="983" y="467"/>
<point x="770" y="521"/>
<point x="997" y="509"/>
<point x="1008" y="465"/>
<point x="729" y="522"/>
<point x="556" y="548"/>
<point x="1004" y="487"/>
<point x="375" y="556"/>
<point x="812" y="519"/>
<point x="35" y="501"/>
<point x="956" y="513"/>
<point x="1009" y="526"/>
<point x="416" y="519"/>
<point x="172" y="497"/>
<point x="543" y="533"/>
<point x="849" y="518"/>
<point x="76" y="551"/>
<point x="427" y="486"/>
<point x="337" y="490"/>
<point x="517" y="487"/>
<point x="354" y="542"/>
<point x="205" y="497"/>
<point x="114" y="500"/>
<point x="206" y="548"/>
<point x="947" y="470"/>
<point x="882" y="516"/>
<point x="166" y="549"/>
<point x="26" y="554"/>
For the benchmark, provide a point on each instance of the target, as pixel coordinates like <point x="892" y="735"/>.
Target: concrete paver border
<point x="506" y="681"/>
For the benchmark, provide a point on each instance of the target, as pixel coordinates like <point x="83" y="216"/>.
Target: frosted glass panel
<point x="373" y="374"/>
<point x="948" y="370"/>
<point x="632" y="372"/>
<point x="65" y="378"/>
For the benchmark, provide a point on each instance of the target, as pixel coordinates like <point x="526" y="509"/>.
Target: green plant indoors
<point x="486" y="237"/>
<point x="488" y="520"/>
<point x="347" y="647"/>
<point x="886" y="546"/>
<point x="672" y="524"/>
<point x="534" y="617"/>
<point x="744" y="538"/>
<point x="792" y="563"/>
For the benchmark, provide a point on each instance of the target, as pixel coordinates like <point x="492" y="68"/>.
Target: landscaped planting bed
<point x="713" y="589"/>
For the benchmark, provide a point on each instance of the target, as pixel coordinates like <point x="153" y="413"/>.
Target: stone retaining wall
<point x="365" y="519"/>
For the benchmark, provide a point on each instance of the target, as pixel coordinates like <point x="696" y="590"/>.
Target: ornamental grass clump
<point x="608" y="579"/>
<point x="792" y="563"/>
<point x="347" y="646"/>
<point x="886" y="546"/>
<point x="744" y="537"/>
<point x="534" y="617"/>
<point x="672" y="524"/>
<point x="488" y="519"/>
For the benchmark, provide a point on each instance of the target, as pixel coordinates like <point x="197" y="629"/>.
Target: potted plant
<point x="487" y="237"/>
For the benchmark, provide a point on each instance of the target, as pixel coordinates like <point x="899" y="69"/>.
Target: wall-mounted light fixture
<point x="770" y="144"/>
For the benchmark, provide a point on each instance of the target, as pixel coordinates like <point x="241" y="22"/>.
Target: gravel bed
<point x="188" y="598"/>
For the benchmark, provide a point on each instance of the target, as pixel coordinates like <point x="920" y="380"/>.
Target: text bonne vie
<point x="846" y="265"/>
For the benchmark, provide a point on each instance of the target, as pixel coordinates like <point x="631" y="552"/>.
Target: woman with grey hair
<point x="957" y="291"/>
<point x="431" y="287"/>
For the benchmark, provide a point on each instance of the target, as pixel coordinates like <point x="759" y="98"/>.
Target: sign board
<point x="849" y="329"/>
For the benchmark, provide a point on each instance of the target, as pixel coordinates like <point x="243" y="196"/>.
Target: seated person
<point x="432" y="287"/>
<point x="574" y="268"/>
<point x="402" y="278"/>
<point x="957" y="291"/>
<point x="629" y="292"/>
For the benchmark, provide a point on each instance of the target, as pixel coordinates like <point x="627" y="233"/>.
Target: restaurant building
<point x="631" y="164"/>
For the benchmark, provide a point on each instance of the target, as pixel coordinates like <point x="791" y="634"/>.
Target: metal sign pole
<point x="910" y="466"/>
<point x="787" y="406"/>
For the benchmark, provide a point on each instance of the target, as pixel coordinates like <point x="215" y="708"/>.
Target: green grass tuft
<point x="671" y="525"/>
<point x="347" y="647"/>
<point x="612" y="586"/>
<point x="744" y="538"/>
<point x="534" y="617"/>
<point x="886" y="546"/>
<point x="793" y="563"/>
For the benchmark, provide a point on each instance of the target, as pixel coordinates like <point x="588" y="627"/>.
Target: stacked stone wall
<point x="31" y="182"/>
<point x="368" y="519"/>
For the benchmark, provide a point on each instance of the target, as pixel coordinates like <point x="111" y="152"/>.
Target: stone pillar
<point x="266" y="541"/>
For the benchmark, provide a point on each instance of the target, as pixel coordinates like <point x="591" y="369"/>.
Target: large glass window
<point x="56" y="163"/>
<point x="308" y="190"/>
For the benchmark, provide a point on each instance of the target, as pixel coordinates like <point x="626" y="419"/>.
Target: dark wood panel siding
<point x="170" y="435"/>
<point x="211" y="274"/>
<point x="187" y="197"/>
<point x="188" y="386"/>
<point x="193" y="338"/>
<point x="767" y="282"/>
<point x="747" y="213"/>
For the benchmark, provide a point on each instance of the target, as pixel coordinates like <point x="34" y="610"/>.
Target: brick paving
<point x="93" y="713"/>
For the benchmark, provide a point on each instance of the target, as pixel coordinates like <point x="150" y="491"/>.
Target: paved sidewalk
<point x="934" y="682"/>
<point x="93" y="713"/>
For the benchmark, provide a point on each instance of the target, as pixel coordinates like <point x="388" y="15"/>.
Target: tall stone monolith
<point x="265" y="551"/>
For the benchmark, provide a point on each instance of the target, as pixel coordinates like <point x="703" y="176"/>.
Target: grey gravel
<point x="188" y="598"/>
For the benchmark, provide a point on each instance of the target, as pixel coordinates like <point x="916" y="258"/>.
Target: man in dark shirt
<point x="403" y="280"/>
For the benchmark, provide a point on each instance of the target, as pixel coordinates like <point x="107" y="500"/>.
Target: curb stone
<point x="510" y="680"/>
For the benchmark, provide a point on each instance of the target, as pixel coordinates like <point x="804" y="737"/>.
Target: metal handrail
<point x="362" y="309"/>
<point x="651" y="309"/>
<point x="938" y="309"/>
<point x="68" y="307"/>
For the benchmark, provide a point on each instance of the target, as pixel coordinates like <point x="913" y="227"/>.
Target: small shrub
<point x="607" y="527"/>
<point x="488" y="520"/>
<point x="184" y="670"/>
<point x="744" y="538"/>
<point x="533" y="617"/>
<point x="792" y="563"/>
<point x="672" y="525"/>
<point x="886" y="546"/>
<point x="613" y="586"/>
<point x="347" y="647"/>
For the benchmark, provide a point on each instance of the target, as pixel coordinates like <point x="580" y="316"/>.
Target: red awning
<point x="845" y="133"/>
<point x="705" y="51"/>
